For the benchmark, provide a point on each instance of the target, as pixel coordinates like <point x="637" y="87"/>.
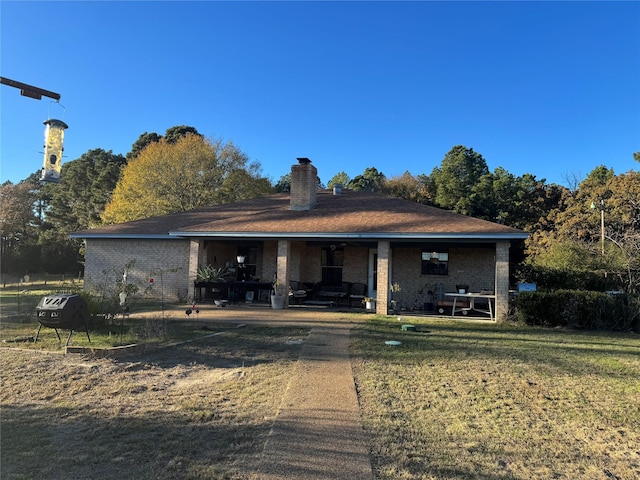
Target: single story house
<point x="394" y="249"/>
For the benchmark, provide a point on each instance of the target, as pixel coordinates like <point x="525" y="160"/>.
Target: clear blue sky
<point x="547" y="88"/>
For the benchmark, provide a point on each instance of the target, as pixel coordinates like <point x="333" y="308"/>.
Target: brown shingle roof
<point x="349" y="214"/>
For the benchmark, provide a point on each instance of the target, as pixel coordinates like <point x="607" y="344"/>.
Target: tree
<point x="89" y="181"/>
<point x="173" y="177"/>
<point x="371" y="180"/>
<point x="142" y="142"/>
<point x="283" y="185"/>
<point x="76" y="204"/>
<point x="173" y="134"/>
<point x="340" y="178"/>
<point x="569" y="238"/>
<point x="408" y="187"/>
<point x="18" y="225"/>
<point x="457" y="180"/>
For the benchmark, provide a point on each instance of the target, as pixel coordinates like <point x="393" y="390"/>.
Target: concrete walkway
<point x="318" y="434"/>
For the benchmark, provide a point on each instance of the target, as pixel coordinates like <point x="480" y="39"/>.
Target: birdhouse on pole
<point x="53" y="139"/>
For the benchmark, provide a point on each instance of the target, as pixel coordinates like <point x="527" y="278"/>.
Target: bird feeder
<point x="53" y="138"/>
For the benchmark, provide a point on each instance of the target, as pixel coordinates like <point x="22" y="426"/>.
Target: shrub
<point x="578" y="309"/>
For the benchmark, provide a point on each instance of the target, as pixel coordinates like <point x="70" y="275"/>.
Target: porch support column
<point x="194" y="261"/>
<point x="282" y="267"/>
<point x="502" y="280"/>
<point x="384" y="265"/>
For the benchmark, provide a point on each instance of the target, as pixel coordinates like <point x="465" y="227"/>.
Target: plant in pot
<point x="369" y="303"/>
<point x="208" y="275"/>
<point x="277" y="295"/>
<point x="395" y="287"/>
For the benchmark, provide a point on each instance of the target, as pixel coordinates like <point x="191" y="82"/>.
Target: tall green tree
<point x="172" y="135"/>
<point x="143" y="142"/>
<point x="189" y="173"/>
<point x="457" y="181"/>
<point x="340" y="178"/>
<point x="75" y="204"/>
<point x="371" y="180"/>
<point x="283" y="185"/>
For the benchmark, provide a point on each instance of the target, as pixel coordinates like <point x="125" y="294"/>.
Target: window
<point x="248" y="271"/>
<point x="332" y="261"/>
<point x="435" y="263"/>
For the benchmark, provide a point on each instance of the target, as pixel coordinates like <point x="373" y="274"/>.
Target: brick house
<point x="318" y="237"/>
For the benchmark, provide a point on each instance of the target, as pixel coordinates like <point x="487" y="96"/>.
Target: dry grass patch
<point x="469" y="401"/>
<point x="198" y="410"/>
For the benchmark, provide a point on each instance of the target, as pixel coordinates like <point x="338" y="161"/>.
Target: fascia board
<point x="359" y="236"/>
<point x="125" y="236"/>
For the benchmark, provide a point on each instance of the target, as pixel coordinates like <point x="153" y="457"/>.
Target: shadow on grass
<point x="576" y="352"/>
<point x="62" y="443"/>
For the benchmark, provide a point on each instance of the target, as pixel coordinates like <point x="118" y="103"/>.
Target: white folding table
<point x="472" y="304"/>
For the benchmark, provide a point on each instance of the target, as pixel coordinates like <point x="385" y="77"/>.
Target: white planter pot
<point x="277" y="302"/>
<point x="370" y="305"/>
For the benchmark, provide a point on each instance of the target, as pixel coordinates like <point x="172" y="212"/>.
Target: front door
<point x="372" y="277"/>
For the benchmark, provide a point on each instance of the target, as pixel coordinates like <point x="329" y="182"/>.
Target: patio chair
<point x="297" y="292"/>
<point x="357" y="292"/>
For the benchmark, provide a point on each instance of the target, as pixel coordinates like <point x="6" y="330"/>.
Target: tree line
<point x="182" y="170"/>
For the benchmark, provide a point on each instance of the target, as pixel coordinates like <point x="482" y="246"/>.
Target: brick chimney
<point x="304" y="181"/>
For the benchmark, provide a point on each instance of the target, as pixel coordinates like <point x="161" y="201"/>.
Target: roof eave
<point x="359" y="236"/>
<point x="124" y="236"/>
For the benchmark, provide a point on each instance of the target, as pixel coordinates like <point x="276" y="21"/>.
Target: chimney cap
<point x="303" y="160"/>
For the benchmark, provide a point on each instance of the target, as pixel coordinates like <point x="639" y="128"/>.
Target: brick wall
<point x="106" y="258"/>
<point x="471" y="266"/>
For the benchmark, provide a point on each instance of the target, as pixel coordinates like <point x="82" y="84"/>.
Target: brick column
<point x="384" y="265"/>
<point x="502" y="280"/>
<point x="282" y="269"/>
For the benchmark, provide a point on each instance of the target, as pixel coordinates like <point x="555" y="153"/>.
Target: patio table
<point x="472" y="306"/>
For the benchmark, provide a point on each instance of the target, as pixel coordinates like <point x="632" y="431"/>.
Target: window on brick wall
<point x="435" y="263"/>
<point x="332" y="261"/>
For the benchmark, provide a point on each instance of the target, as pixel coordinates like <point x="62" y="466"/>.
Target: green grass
<point x="468" y="401"/>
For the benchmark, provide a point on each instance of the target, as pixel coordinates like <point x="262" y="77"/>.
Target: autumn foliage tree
<point x="179" y="174"/>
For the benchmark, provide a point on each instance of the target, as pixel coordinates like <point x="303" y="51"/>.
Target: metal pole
<point x="602" y="225"/>
<point x="29" y="90"/>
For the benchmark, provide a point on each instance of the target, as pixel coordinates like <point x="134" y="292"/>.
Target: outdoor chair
<point x="357" y="292"/>
<point x="297" y="293"/>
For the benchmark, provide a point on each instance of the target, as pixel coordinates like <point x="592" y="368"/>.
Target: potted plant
<point x="395" y="287"/>
<point x="277" y="295"/>
<point x="211" y="274"/>
<point x="369" y="303"/>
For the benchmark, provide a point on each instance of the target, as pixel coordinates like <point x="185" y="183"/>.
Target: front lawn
<point x="458" y="400"/>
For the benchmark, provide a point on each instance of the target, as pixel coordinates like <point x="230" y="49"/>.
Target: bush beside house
<point x="578" y="309"/>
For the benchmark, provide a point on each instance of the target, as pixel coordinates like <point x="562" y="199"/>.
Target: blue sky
<point x="547" y="88"/>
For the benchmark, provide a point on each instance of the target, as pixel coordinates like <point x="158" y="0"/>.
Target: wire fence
<point x="9" y="280"/>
